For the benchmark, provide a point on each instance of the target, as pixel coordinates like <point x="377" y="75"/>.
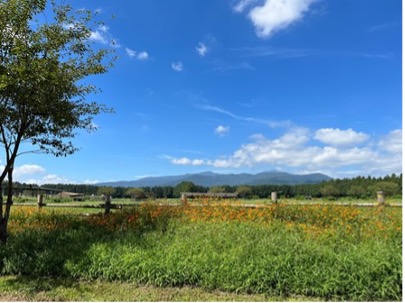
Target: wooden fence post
<point x="107" y="204"/>
<point x="184" y="199"/>
<point x="40" y="200"/>
<point x="380" y="197"/>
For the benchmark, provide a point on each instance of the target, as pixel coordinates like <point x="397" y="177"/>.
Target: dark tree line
<point x="359" y="188"/>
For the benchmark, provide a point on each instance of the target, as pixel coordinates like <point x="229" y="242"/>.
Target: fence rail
<point x="107" y="206"/>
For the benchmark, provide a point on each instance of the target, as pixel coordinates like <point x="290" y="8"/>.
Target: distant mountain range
<point x="210" y="179"/>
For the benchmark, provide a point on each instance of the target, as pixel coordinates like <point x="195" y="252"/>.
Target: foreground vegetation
<point x="279" y="251"/>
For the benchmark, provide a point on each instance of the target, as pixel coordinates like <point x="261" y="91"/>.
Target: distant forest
<point x="359" y="188"/>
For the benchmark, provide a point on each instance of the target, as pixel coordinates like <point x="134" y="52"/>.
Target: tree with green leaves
<point x="185" y="186"/>
<point x="43" y="98"/>
<point x="106" y="191"/>
<point x="243" y="191"/>
<point x="389" y="188"/>
<point x="135" y="193"/>
<point x="217" y="189"/>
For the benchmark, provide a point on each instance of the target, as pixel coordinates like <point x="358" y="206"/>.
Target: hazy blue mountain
<point x="213" y="179"/>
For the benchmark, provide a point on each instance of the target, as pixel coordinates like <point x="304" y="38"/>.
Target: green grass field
<point x="210" y="252"/>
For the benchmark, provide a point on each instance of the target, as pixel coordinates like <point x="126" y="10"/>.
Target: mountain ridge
<point x="209" y="179"/>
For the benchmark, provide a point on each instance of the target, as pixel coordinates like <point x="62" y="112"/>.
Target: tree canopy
<point x="43" y="96"/>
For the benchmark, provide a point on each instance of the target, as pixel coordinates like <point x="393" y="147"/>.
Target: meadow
<point x="320" y="251"/>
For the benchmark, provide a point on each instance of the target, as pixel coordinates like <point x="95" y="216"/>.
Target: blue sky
<point x="234" y="86"/>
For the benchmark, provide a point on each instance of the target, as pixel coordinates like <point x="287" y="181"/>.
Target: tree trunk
<point x="3" y="232"/>
<point x="6" y="208"/>
<point x="3" y="223"/>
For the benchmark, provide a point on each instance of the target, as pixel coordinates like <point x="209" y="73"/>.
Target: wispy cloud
<point x="370" y="55"/>
<point x="270" y="123"/>
<point x="206" y="45"/>
<point x="142" y="56"/>
<point x="241" y="5"/>
<point x="291" y="53"/>
<point x="103" y="35"/>
<point x="279" y="52"/>
<point x="223" y="66"/>
<point x="177" y="66"/>
<point x="201" y="49"/>
<point x="130" y="52"/>
<point x="222" y="111"/>
<point x="384" y="26"/>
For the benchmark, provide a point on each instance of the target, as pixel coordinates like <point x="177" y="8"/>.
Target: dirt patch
<point x="12" y="298"/>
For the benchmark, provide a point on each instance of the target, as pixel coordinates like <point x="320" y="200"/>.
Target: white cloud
<point x="296" y="151"/>
<point x="27" y="169"/>
<point x="177" y="66"/>
<point x="274" y="15"/>
<point x="54" y="179"/>
<point x="98" y="36"/>
<point x="187" y="161"/>
<point x="143" y="56"/>
<point x="89" y="181"/>
<point x="48" y="179"/>
<point x="336" y="157"/>
<point x="285" y="150"/>
<point x="206" y="45"/>
<point x="392" y="142"/>
<point x="241" y="5"/>
<point x="130" y="52"/>
<point x="104" y="28"/>
<point x="222" y="130"/>
<point x="202" y="49"/>
<point x="335" y="136"/>
<point x="102" y="35"/>
<point x="36" y="174"/>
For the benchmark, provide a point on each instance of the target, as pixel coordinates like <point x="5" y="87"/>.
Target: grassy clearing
<point x="280" y="251"/>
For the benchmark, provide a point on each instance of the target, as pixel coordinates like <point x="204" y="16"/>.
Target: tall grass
<point x="336" y="253"/>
